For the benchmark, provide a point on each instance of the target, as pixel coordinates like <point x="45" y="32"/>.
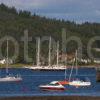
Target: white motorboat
<point x="53" y="86"/>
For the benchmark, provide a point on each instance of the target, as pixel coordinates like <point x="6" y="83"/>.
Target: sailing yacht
<point x="63" y="82"/>
<point x="9" y="78"/>
<point x="78" y="82"/>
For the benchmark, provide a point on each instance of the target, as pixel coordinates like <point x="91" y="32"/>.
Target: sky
<point x="73" y="10"/>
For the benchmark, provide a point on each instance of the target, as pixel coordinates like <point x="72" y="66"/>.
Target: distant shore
<point x="30" y="65"/>
<point x="52" y="98"/>
<point x="34" y="67"/>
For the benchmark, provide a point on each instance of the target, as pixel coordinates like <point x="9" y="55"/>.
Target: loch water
<point x="32" y="79"/>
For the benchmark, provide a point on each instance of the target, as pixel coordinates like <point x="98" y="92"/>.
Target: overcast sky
<point x="74" y="10"/>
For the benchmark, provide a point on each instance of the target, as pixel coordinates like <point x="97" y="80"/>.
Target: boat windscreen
<point x="54" y="84"/>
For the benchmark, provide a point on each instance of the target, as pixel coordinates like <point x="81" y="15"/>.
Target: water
<point x="32" y="79"/>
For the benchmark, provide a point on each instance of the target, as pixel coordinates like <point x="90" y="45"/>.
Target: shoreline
<point x="46" y="68"/>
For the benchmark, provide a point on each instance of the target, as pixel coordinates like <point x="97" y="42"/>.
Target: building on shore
<point x="4" y="61"/>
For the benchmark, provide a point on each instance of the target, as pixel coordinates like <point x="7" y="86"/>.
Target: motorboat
<point x="52" y="86"/>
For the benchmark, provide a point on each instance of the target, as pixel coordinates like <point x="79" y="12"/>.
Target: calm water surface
<point x="32" y="79"/>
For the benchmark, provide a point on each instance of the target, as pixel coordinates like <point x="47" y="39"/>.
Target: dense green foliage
<point x="13" y="23"/>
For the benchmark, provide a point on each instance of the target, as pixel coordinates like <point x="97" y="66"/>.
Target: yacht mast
<point x="76" y="63"/>
<point x="71" y="72"/>
<point x="65" y="66"/>
<point x="7" y="58"/>
<point x="57" y="53"/>
<point x="38" y="51"/>
<point x="49" y="60"/>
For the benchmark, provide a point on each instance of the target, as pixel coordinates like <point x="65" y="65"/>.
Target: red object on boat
<point x="64" y="82"/>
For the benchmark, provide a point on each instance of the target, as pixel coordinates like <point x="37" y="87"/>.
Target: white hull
<point x="46" y="67"/>
<point x="10" y="79"/>
<point x="52" y="86"/>
<point x="79" y="83"/>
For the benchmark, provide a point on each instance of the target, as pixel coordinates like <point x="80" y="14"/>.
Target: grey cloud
<point x="78" y="10"/>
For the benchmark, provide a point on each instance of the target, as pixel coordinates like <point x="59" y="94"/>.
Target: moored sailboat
<point x="9" y="78"/>
<point x="63" y="82"/>
<point x="78" y="82"/>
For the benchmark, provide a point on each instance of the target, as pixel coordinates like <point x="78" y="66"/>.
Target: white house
<point x="3" y="61"/>
<point x="97" y="61"/>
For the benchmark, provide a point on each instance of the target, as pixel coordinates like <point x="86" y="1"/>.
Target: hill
<point x="13" y="23"/>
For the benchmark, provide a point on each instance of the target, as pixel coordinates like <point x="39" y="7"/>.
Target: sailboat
<point x="63" y="82"/>
<point x="9" y="78"/>
<point x="78" y="82"/>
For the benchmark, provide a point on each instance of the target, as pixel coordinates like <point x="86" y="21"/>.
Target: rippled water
<point x="32" y="79"/>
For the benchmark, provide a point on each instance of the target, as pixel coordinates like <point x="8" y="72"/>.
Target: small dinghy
<point x="53" y="86"/>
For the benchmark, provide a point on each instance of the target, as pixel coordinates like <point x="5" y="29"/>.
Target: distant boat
<point x="9" y="78"/>
<point x="78" y="82"/>
<point x="50" y="67"/>
<point x="53" y="86"/>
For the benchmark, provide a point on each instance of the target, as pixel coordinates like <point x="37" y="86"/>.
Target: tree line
<point x="14" y="22"/>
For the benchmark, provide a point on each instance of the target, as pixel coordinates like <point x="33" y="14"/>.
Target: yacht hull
<point x="79" y="83"/>
<point x="10" y="79"/>
<point x="51" y="88"/>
